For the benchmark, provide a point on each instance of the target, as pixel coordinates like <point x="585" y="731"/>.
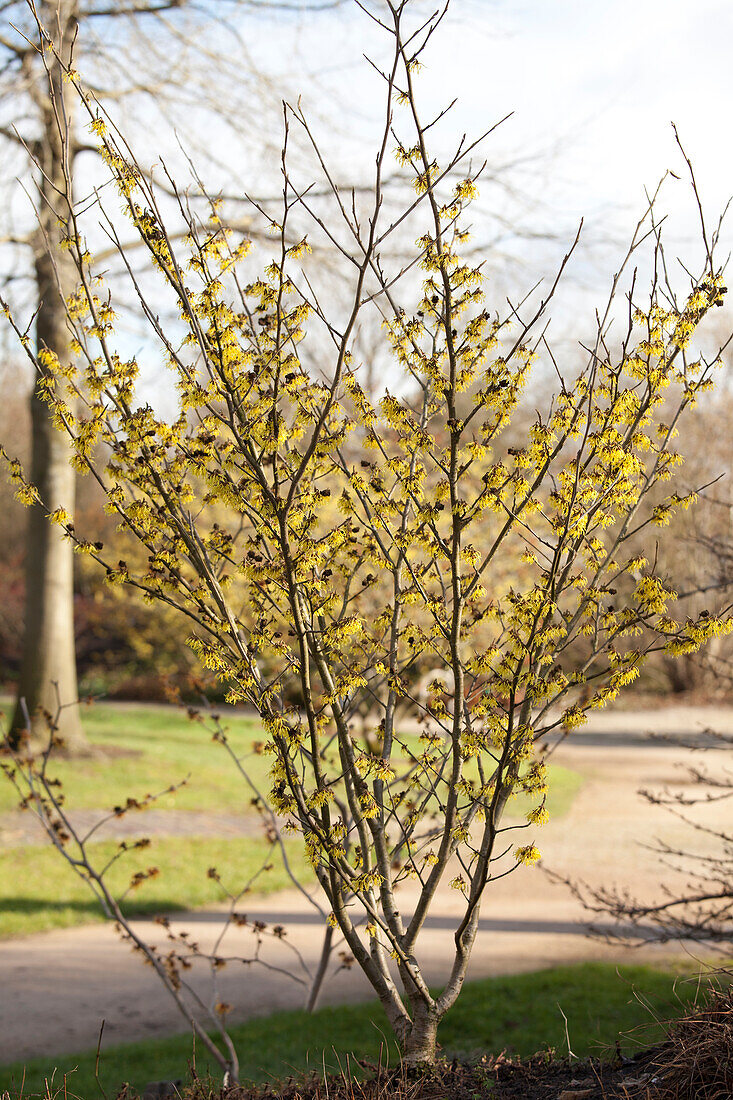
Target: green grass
<point x="165" y="747"/>
<point x="520" y="1013"/>
<point x="39" y="891"/>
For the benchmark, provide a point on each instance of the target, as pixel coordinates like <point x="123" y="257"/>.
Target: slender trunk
<point x="48" y="669"/>
<point x="317" y="985"/>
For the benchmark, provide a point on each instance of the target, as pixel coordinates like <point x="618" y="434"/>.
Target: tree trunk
<point x="48" y="669"/>
<point x="421" y="1041"/>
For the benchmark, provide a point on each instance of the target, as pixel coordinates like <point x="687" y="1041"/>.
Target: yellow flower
<point x="528" y="855"/>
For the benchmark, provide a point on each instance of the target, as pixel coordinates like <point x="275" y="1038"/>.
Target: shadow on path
<point x="434" y="923"/>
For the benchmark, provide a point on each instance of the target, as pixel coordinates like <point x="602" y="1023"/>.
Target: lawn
<point x="520" y="1013"/>
<point x="143" y="750"/>
<point x="150" y="748"/>
<point x="39" y="891"/>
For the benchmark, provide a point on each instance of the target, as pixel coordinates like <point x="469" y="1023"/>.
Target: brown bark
<point x="48" y="669"/>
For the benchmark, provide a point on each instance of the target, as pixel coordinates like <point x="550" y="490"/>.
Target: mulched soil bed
<point x="542" y="1077"/>
<point x="695" y="1062"/>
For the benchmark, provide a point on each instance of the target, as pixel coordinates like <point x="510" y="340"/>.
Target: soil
<point x="586" y="1080"/>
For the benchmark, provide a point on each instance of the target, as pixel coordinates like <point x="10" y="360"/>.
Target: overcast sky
<point x="594" y="83"/>
<point x="593" y="86"/>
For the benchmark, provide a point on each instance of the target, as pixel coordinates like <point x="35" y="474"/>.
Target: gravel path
<point x="20" y="827"/>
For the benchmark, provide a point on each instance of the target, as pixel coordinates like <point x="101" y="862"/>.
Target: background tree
<point x="131" y="53"/>
<point x="49" y="662"/>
